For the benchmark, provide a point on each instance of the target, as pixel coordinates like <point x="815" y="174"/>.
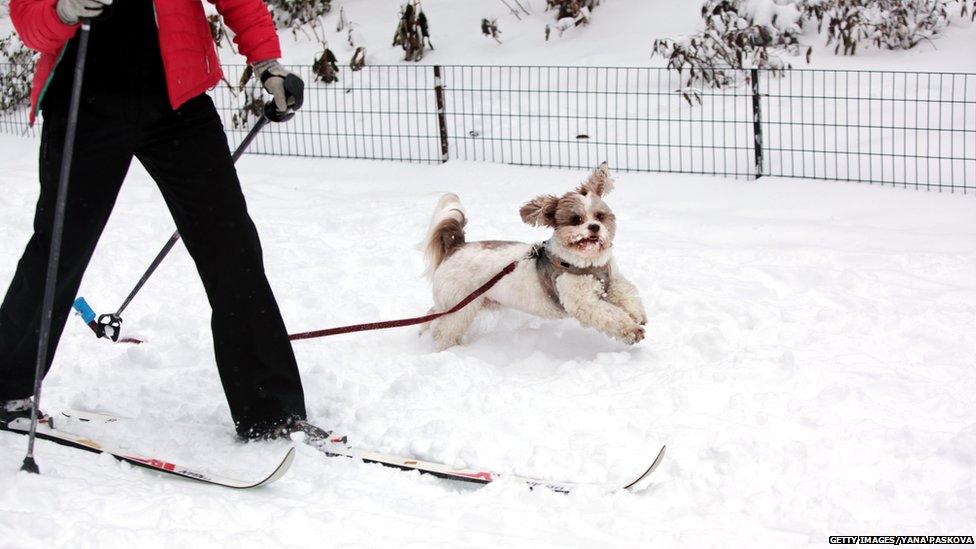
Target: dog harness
<point x="550" y="267"/>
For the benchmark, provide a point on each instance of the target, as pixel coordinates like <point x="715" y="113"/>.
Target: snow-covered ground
<point x="809" y="363"/>
<point x="809" y="360"/>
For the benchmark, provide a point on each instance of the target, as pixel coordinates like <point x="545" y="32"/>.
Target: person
<point x="147" y="69"/>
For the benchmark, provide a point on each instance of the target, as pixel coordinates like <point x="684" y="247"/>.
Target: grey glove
<point x="72" y="11"/>
<point x="285" y="86"/>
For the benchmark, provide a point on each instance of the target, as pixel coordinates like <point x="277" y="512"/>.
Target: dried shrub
<point x="250" y="99"/>
<point x="569" y="14"/>
<point x="325" y="67"/>
<point x="732" y="40"/>
<point x="489" y="28"/>
<point x="412" y="32"/>
<point x="294" y="14"/>
<point x="17" y="64"/>
<point x="888" y="24"/>
<point x="358" y="60"/>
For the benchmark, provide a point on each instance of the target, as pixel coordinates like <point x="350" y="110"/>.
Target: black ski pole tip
<point x="30" y="466"/>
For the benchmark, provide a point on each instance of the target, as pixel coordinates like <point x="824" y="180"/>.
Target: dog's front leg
<point x="580" y="296"/>
<point x="623" y="294"/>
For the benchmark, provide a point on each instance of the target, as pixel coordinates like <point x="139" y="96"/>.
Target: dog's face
<point x="583" y="223"/>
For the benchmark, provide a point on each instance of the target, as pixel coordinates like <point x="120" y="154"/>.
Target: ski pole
<point x="109" y="325"/>
<point x="54" y="255"/>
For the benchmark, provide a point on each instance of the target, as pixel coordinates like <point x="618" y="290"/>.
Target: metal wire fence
<point x="906" y="129"/>
<point x="14" y="121"/>
<point x="900" y="128"/>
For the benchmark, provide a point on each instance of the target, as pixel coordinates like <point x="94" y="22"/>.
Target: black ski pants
<point x="186" y="152"/>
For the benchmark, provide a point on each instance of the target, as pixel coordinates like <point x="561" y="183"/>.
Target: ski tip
<point x="281" y="469"/>
<point x="654" y="465"/>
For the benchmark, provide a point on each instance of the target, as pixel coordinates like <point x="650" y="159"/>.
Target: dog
<point x="572" y="274"/>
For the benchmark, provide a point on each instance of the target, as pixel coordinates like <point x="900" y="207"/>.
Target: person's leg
<point x="101" y="159"/>
<point x="187" y="154"/>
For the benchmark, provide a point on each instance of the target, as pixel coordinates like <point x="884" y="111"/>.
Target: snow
<point x="809" y="360"/>
<point x="620" y="33"/>
<point x="809" y="364"/>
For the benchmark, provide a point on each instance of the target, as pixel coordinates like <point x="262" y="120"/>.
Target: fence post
<point x="441" y="115"/>
<point x="757" y="122"/>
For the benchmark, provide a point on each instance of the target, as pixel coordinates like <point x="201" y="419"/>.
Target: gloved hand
<point x="286" y="87"/>
<point x="72" y="11"/>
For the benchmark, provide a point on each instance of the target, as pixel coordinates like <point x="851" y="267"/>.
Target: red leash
<point x="408" y="321"/>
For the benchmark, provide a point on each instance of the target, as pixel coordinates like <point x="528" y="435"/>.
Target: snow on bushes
<point x="890" y="24"/>
<point x="733" y="38"/>
<point x="570" y="13"/>
<point x="755" y="33"/>
<point x="294" y="14"/>
<point x="17" y="63"/>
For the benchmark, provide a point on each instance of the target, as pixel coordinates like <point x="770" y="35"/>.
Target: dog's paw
<point x="634" y="310"/>
<point x="639" y="316"/>
<point x="632" y="335"/>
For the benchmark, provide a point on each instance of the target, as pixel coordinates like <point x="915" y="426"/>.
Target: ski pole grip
<point x="272" y="113"/>
<point x="86" y="312"/>
<point x="295" y="91"/>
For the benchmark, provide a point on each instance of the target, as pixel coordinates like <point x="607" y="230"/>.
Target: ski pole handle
<point x="294" y="88"/>
<point x="271" y="113"/>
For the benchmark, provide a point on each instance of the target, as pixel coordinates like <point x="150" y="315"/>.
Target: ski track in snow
<point x="809" y="364"/>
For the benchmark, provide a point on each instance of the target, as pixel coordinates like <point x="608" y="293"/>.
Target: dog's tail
<point x="446" y="232"/>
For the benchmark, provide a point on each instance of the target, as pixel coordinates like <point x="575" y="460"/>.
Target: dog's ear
<point x="540" y="211"/>
<point x="599" y="182"/>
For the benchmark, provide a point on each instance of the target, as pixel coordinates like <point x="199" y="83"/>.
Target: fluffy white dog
<point x="571" y="274"/>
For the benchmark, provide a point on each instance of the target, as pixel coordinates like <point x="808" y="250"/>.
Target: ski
<point x="46" y="431"/>
<point x="334" y="445"/>
<point x="636" y="484"/>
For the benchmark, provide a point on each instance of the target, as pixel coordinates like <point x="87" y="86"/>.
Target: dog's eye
<point x="600" y="216"/>
<point x="575" y="220"/>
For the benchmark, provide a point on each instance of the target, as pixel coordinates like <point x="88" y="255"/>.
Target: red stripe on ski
<point x="154" y="463"/>
<point x="481" y="475"/>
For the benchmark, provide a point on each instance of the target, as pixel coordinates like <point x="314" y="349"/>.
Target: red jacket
<point x="189" y="57"/>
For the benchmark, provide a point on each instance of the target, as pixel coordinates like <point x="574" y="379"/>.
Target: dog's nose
<point x="594" y="228"/>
